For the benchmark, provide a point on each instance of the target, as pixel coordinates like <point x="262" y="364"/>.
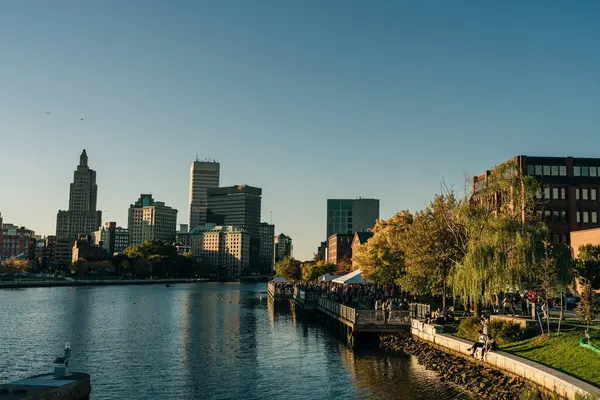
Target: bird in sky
<point x="81" y="119"/>
<point x="48" y="113"/>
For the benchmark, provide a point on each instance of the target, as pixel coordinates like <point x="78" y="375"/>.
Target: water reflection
<point x="196" y="341"/>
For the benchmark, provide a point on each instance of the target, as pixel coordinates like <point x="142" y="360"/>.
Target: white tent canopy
<point x="352" y="277"/>
<point x="327" y="277"/>
<point x="280" y="279"/>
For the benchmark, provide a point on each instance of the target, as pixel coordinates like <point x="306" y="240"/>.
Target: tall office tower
<point x="283" y="247"/>
<point x="238" y="206"/>
<point x="81" y="218"/>
<point x="203" y="175"/>
<point x="351" y="215"/>
<point x="267" y="249"/>
<point x="151" y="220"/>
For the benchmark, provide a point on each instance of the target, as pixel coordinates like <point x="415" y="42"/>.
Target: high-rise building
<point x="81" y="218"/>
<point x="238" y="206"/>
<point x="223" y="246"/>
<point x="351" y="215"/>
<point x="569" y="196"/>
<point x="266" y="254"/>
<point x="183" y="228"/>
<point x="203" y="175"/>
<point x="15" y="241"/>
<point x="112" y="238"/>
<point x="151" y="220"/>
<point x="283" y="247"/>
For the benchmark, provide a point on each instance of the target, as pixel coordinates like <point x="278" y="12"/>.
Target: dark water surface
<point x="195" y="341"/>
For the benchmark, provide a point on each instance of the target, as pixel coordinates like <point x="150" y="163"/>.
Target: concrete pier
<point x="75" y="386"/>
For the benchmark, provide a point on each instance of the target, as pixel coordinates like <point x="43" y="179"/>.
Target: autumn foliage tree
<point x="430" y="248"/>
<point x="288" y="268"/>
<point x="312" y="270"/>
<point x="382" y="258"/>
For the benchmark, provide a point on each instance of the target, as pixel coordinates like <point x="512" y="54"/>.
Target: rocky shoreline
<point x="486" y="383"/>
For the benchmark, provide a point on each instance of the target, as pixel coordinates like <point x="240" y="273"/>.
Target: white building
<point x="151" y="220"/>
<point x="224" y="246"/>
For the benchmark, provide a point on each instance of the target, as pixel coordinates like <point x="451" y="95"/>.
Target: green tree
<point x="289" y="268"/>
<point x="552" y="272"/>
<point x="498" y="235"/>
<point x="382" y="258"/>
<point x="312" y="270"/>
<point x="587" y="270"/>
<point x="430" y="248"/>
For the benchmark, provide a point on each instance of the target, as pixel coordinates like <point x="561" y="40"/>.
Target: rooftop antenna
<point x="271" y="216"/>
<point x="196" y="156"/>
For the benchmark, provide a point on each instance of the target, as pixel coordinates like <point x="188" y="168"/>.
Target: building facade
<point x="82" y="217"/>
<point x="84" y="248"/>
<point x="15" y="241"/>
<point x="203" y="175"/>
<point x="112" y="238"/>
<point x="339" y="248"/>
<point x="238" y="206"/>
<point x="322" y="251"/>
<point x="351" y="215"/>
<point x="359" y="238"/>
<point x="283" y="247"/>
<point x="569" y="196"/>
<point x="151" y="220"/>
<point x="223" y="246"/>
<point x="267" y="246"/>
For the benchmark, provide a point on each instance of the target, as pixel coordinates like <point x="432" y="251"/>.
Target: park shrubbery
<point x="502" y="331"/>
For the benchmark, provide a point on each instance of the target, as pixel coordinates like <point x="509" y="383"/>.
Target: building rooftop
<point x="237" y="189"/>
<point x="363" y="236"/>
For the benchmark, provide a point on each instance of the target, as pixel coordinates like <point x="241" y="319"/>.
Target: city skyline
<point x="307" y="101"/>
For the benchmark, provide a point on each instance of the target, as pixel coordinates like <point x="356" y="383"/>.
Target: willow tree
<point x="382" y="257"/>
<point x="431" y="252"/>
<point x="501" y="236"/>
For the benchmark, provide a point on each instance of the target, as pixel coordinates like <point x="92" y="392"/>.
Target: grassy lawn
<point x="562" y="353"/>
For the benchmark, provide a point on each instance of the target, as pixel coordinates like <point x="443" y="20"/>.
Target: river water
<point x="196" y="341"/>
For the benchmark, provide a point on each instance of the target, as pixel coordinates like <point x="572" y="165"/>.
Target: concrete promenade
<point x="545" y="377"/>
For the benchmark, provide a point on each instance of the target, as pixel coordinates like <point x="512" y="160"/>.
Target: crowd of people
<point x="361" y="296"/>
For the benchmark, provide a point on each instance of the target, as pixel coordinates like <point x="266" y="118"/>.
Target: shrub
<point x="507" y="332"/>
<point x="469" y="328"/>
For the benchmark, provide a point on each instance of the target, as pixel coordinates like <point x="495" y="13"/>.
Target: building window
<point x="594" y="217"/>
<point x="547" y="215"/>
<point x="564" y="217"/>
<point x="586" y="217"/>
<point x="530" y="170"/>
<point x="563" y="193"/>
<point x="578" y="217"/>
<point x="538" y="170"/>
<point x="547" y="193"/>
<point x="593" y="171"/>
<point x="555" y="193"/>
<point x="546" y="170"/>
<point x="555" y="170"/>
<point x="556" y="216"/>
<point x="577" y="170"/>
<point x="562" y="170"/>
<point x="584" y="194"/>
<point x="538" y="193"/>
<point x="585" y="171"/>
<point x="577" y="194"/>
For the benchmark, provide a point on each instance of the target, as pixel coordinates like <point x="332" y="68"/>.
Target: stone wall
<point x="543" y="376"/>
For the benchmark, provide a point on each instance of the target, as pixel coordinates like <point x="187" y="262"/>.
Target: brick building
<point x="339" y="248"/>
<point x="15" y="241"/>
<point x="569" y="196"/>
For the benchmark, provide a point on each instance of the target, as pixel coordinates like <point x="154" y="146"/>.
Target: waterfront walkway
<point x="349" y="321"/>
<point x="25" y="283"/>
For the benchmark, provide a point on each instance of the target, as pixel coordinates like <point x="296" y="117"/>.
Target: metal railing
<point x="379" y="317"/>
<point x="343" y="311"/>
<point x="419" y="311"/>
<point x="281" y="291"/>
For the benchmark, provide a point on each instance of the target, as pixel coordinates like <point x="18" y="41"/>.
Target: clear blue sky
<point x="307" y="99"/>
